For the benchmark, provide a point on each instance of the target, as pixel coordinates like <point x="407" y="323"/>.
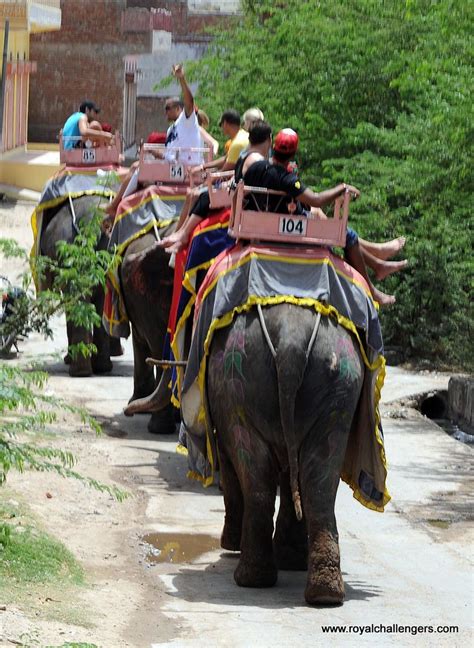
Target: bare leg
<point x="381" y="267"/>
<point x="191" y="197"/>
<point x="111" y="209"/>
<point x="383" y="250"/>
<point x="355" y="258"/>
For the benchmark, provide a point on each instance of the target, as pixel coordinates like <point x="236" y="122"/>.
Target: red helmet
<point x="286" y="141"/>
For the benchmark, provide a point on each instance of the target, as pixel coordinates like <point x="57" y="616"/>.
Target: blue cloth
<point x="71" y="129"/>
<point x="351" y="237"/>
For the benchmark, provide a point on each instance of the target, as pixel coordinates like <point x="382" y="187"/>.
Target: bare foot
<point x="389" y="249"/>
<point x="174" y="243"/>
<point x="382" y="298"/>
<point x="110" y="210"/>
<point x="389" y="267"/>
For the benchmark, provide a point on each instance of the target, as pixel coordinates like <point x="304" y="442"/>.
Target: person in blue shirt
<point x="77" y="125"/>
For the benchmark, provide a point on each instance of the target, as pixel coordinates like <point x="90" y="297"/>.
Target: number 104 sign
<point x="292" y="226"/>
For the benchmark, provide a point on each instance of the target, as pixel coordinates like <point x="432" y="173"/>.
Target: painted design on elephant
<point x="234" y="355"/>
<point x="243" y="446"/>
<point x="138" y="282"/>
<point x="347" y="360"/>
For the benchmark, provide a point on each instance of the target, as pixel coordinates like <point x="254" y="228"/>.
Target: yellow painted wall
<point x="18" y="45"/>
<point x="26" y="176"/>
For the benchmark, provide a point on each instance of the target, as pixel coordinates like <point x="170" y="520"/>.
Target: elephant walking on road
<point x="61" y="227"/>
<point x="282" y="396"/>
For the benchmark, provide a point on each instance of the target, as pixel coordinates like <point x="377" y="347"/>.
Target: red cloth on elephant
<point x="221" y="216"/>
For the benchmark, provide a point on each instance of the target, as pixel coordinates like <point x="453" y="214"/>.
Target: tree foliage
<point x="25" y="409"/>
<point x="380" y="94"/>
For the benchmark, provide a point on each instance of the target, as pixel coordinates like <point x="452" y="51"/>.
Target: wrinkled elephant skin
<point x="59" y="227"/>
<point x="271" y="414"/>
<point x="147" y="284"/>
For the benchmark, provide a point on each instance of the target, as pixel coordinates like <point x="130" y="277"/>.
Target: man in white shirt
<point x="184" y="131"/>
<point x="183" y="134"/>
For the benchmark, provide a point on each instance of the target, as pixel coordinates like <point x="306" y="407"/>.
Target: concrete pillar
<point x="461" y="401"/>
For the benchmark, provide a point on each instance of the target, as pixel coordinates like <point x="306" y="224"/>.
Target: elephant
<point x="58" y="226"/>
<point x="147" y="287"/>
<point x="282" y="394"/>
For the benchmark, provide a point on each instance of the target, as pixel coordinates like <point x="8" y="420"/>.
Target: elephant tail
<point x="291" y="366"/>
<point x="287" y="389"/>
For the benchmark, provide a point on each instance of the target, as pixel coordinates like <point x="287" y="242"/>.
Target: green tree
<point x="380" y="94"/>
<point x="25" y="410"/>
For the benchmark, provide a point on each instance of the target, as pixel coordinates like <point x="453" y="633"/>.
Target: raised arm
<point x="188" y="99"/>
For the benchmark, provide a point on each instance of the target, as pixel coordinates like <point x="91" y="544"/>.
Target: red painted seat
<point x="172" y="169"/>
<point x="249" y="222"/>
<point x="90" y="155"/>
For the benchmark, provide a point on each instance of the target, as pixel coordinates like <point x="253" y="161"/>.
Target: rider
<point x="78" y="125"/>
<point x="183" y="133"/>
<point x="274" y="175"/>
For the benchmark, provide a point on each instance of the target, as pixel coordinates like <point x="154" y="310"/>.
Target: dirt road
<point x="407" y="567"/>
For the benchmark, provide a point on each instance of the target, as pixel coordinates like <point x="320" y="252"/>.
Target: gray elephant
<point x="147" y="286"/>
<point x="58" y="225"/>
<point x="283" y="402"/>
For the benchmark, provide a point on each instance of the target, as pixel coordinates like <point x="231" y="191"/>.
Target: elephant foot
<point x="102" y="366"/>
<point x="80" y="370"/>
<point x="325" y="585"/>
<point x="162" y="422"/>
<point x="291" y="558"/>
<point x="256" y="574"/>
<point x="230" y="538"/>
<point x="116" y="349"/>
<point x="156" y="401"/>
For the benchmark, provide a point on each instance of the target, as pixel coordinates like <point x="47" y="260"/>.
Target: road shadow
<point x="215" y="585"/>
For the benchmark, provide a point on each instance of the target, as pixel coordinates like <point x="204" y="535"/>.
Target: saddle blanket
<point x="245" y="276"/>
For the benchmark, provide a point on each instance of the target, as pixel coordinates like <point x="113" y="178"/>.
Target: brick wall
<point x="84" y="60"/>
<point x="150" y="116"/>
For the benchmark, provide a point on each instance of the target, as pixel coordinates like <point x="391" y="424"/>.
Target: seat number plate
<point x="176" y="172"/>
<point x="88" y="155"/>
<point x="292" y="226"/>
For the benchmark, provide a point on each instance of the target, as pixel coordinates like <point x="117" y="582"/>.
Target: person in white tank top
<point x="184" y="132"/>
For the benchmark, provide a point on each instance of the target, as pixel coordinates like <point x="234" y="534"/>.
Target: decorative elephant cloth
<point x="207" y="241"/>
<point x="244" y="277"/>
<point x="70" y="183"/>
<point x="151" y="209"/>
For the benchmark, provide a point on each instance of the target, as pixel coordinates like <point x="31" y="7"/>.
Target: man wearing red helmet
<point x="276" y="176"/>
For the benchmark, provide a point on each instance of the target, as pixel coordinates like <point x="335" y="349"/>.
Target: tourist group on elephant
<point x="254" y="320"/>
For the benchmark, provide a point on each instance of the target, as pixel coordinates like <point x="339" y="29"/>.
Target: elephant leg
<point x="143" y="375"/>
<point x="101" y="362"/>
<point x="163" y="422"/>
<point x="320" y="471"/>
<point x="80" y="366"/>
<point x="234" y="503"/>
<point x="257" y="566"/>
<point x="291" y="537"/>
<point x="116" y="348"/>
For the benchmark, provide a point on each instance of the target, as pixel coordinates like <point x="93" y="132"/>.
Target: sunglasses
<point x="169" y="108"/>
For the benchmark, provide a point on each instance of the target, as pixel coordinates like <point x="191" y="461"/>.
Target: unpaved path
<point x="410" y="566"/>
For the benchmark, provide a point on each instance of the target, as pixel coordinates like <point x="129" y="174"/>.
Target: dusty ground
<point x="408" y="566"/>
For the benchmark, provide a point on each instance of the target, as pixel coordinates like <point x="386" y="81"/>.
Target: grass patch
<point x="28" y="555"/>
<point x="37" y="572"/>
